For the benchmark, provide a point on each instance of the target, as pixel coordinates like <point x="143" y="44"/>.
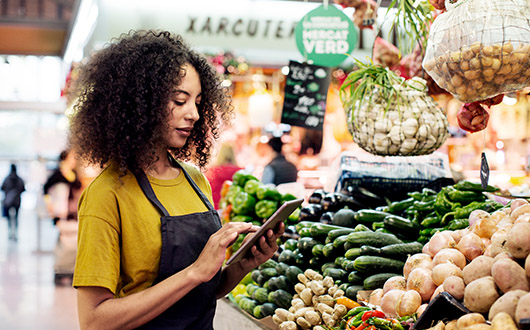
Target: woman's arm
<point x="233" y="273"/>
<point x="98" y="309"/>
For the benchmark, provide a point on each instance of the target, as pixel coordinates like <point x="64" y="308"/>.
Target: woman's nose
<point x="192" y="112"/>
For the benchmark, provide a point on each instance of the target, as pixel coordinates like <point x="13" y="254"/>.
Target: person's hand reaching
<point x="264" y="249"/>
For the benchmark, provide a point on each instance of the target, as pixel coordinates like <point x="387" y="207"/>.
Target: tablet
<point x="282" y="213"/>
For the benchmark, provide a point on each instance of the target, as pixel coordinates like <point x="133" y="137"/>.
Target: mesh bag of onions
<point x="478" y="49"/>
<point x="413" y="124"/>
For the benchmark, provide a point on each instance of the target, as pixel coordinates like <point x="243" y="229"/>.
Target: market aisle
<point x="30" y="300"/>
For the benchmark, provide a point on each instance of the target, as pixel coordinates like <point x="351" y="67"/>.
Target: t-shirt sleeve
<point x="98" y="255"/>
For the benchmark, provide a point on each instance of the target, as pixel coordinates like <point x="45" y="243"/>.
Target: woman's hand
<point x="214" y="252"/>
<point x="264" y="249"/>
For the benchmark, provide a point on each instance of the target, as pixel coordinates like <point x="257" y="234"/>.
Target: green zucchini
<point x="339" y="260"/>
<point x="351" y="291"/>
<point x="339" y="242"/>
<point x="375" y="239"/>
<point x="401" y="251"/>
<point x="328" y="250"/>
<point x="367" y="250"/>
<point x="250" y="288"/>
<point x="374" y="264"/>
<point x="353" y="253"/>
<point x="282" y="282"/>
<point x="305" y="232"/>
<point x="355" y="278"/>
<point x="361" y="227"/>
<point x="248" y="304"/>
<point x="344" y="286"/>
<point x="327" y="265"/>
<point x="348" y="265"/>
<point x="316" y="262"/>
<point x="333" y="234"/>
<point x="290" y="244"/>
<point x="320" y="230"/>
<point x="272" y="284"/>
<point x="281" y="268"/>
<point x="287" y="257"/>
<point x="317" y="250"/>
<point x="292" y="273"/>
<point x="368" y="216"/>
<point x="336" y="273"/>
<point x="402" y="225"/>
<point x="303" y="224"/>
<point x="305" y="245"/>
<point x="377" y="280"/>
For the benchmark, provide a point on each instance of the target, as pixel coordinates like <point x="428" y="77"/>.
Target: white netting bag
<point x="478" y="49"/>
<point x="412" y="125"/>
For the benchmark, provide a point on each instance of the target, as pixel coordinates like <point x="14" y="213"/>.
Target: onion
<point x="436" y="292"/>
<point x="471" y="246"/>
<point x="420" y="279"/>
<point x="484" y="227"/>
<point x="442" y="271"/>
<point x="395" y="282"/>
<point x="498" y="215"/>
<point x="410" y="302"/>
<point x="426" y="250"/>
<point x="450" y="255"/>
<point x="475" y="215"/>
<point x="457" y="234"/>
<point x="421" y="309"/>
<point x="390" y="302"/>
<point x="439" y="241"/>
<point x="375" y="297"/>
<point x="517" y="202"/>
<point x="418" y="260"/>
<point x="522" y="218"/>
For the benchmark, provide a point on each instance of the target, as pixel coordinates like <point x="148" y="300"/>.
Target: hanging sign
<point x="306" y="89"/>
<point x="325" y="36"/>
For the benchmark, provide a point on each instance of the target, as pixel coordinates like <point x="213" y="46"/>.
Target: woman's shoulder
<point x="111" y="178"/>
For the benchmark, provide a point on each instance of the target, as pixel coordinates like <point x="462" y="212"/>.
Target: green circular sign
<point x="326" y="35"/>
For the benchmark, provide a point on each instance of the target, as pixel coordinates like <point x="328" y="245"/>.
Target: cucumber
<point x="281" y="268"/>
<point x="305" y="245"/>
<point x="352" y="253"/>
<point x="287" y="257"/>
<point x="257" y="312"/>
<point x="250" y="288"/>
<point x="377" y="280"/>
<point x="282" y="298"/>
<point x="303" y="224"/>
<point x="268" y="264"/>
<point x="375" y="239"/>
<point x="339" y="242"/>
<point x="268" y="272"/>
<point x="367" y="250"/>
<point x="348" y="265"/>
<point x="282" y="282"/>
<point x="355" y="278"/>
<point x="361" y="227"/>
<point x="328" y="250"/>
<point x="260" y="295"/>
<point x="267" y="309"/>
<point x="351" y="291"/>
<point x="317" y="250"/>
<point x="321" y="230"/>
<point x="402" y="225"/>
<point x="336" y="273"/>
<point x="248" y="305"/>
<point x="401" y="251"/>
<point x="290" y="244"/>
<point x="339" y="260"/>
<point x="271" y="284"/>
<point x="305" y="232"/>
<point x="368" y="216"/>
<point x="292" y="273"/>
<point x="255" y="274"/>
<point x="333" y="234"/>
<point x="316" y="262"/>
<point x="374" y="264"/>
<point x="344" y="286"/>
<point x="327" y="265"/>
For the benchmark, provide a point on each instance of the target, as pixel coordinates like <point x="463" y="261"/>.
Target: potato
<point x="503" y="321"/>
<point x="479" y="326"/>
<point x="454" y="285"/>
<point x="469" y="319"/>
<point x="518" y="240"/>
<point x="509" y="275"/>
<point x="451" y="325"/>
<point x="523" y="308"/>
<point x="506" y="303"/>
<point x="439" y="326"/>
<point x="480" y="294"/>
<point x="477" y="268"/>
<point x="527" y="266"/>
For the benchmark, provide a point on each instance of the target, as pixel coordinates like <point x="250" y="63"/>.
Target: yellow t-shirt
<point x="119" y="238"/>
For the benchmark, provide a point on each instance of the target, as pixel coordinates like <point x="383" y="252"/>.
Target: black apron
<point x="183" y="238"/>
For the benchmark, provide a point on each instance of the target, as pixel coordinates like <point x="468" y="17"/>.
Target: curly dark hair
<point x="123" y="91"/>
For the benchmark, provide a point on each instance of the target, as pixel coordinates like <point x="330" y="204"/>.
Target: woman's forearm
<point x="230" y="277"/>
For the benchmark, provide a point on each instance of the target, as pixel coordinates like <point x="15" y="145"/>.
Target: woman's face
<point x="184" y="108"/>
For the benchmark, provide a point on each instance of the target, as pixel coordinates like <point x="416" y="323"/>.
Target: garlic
<point x="408" y="146"/>
<point x="423" y="132"/>
<point x="396" y="135"/>
<point x="410" y="127"/>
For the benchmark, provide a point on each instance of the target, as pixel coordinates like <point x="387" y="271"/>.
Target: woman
<point x="12" y="186"/>
<point x="151" y="245"/>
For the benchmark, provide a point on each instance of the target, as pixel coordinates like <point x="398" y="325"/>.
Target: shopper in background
<point x="13" y="187"/>
<point x="151" y="244"/>
<point x="62" y="189"/>
<point x="279" y="170"/>
<point x="224" y="167"/>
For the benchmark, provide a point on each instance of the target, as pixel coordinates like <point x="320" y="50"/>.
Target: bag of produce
<point x="479" y="49"/>
<point x="391" y="116"/>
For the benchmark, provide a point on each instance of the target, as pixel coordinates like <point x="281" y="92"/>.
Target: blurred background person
<point x="279" y="170"/>
<point x="223" y="169"/>
<point x="13" y="187"/>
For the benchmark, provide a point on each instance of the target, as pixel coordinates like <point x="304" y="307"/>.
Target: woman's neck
<point x="162" y="169"/>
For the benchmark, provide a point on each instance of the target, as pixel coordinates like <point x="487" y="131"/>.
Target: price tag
<point x="484" y="171"/>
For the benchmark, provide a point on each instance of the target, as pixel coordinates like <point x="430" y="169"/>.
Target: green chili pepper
<point x="356" y="311"/>
<point x="458" y="224"/>
<point x="267" y="192"/>
<point x="416" y="195"/>
<point x="251" y="186"/>
<point x="428" y="191"/>
<point x="400" y="206"/>
<point x="377" y="225"/>
<point x="240" y="177"/>
<point x="423" y="239"/>
<point x="241" y="218"/>
<point x="243" y="203"/>
<point x="465" y="196"/>
<point x="430" y="222"/>
<point x="466" y="185"/>
<point x="424" y="206"/>
<point x="265" y="208"/>
<point x="429" y="198"/>
<point x="442" y="204"/>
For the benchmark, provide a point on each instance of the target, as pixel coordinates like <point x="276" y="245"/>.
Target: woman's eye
<point x="179" y="103"/>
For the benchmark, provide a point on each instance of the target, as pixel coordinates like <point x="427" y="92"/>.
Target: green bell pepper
<point x="241" y="218"/>
<point x="243" y="203"/>
<point x="265" y="208"/>
<point x="294" y="217"/>
<point x="233" y="191"/>
<point x="251" y="186"/>
<point x="240" y="177"/>
<point x="466" y="185"/>
<point x="267" y="192"/>
<point x="287" y="197"/>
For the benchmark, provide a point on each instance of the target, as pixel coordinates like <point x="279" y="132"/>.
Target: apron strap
<point x="149" y="192"/>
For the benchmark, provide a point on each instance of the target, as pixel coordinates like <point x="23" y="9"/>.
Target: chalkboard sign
<point x="306" y="90"/>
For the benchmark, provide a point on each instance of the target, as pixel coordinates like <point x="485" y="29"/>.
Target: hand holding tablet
<point x="280" y="215"/>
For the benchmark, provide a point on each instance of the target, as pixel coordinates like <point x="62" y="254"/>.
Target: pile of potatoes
<point x="313" y="305"/>
<point x="476" y="321"/>
<point x="487" y="266"/>
<point x="478" y="71"/>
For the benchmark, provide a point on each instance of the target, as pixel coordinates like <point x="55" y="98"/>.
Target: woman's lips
<point x="184" y="131"/>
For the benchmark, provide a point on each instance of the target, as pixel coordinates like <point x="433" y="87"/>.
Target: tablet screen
<point x="282" y="213"/>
